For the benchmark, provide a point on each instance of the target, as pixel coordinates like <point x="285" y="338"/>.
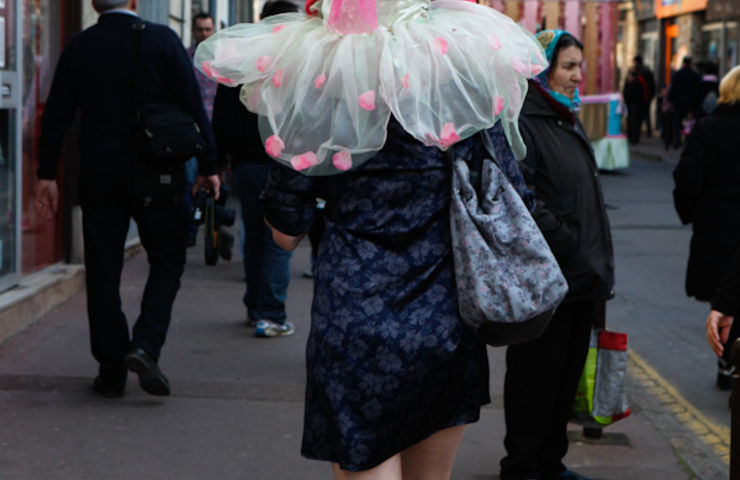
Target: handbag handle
<point x="475" y="170"/>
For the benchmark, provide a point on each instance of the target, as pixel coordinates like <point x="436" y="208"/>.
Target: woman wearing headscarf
<point x="367" y="93"/>
<point x="542" y="375"/>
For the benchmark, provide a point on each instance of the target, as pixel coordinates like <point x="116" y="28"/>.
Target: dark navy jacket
<point x="95" y="74"/>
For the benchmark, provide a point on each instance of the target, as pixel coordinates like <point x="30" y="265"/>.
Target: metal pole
<point x="735" y="408"/>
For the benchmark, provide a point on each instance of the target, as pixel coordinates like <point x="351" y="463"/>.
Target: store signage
<point x="670" y="8"/>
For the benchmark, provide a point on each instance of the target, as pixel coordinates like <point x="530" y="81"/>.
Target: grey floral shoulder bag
<point x="508" y="281"/>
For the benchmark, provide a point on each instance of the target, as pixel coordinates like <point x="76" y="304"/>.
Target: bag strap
<point x="135" y="73"/>
<point x="488" y="145"/>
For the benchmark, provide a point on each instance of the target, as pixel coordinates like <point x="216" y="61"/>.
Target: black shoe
<point x="151" y="378"/>
<point x="724" y="379"/>
<point x="108" y="388"/>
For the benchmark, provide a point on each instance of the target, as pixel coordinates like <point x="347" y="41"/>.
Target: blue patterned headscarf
<point x="549" y="40"/>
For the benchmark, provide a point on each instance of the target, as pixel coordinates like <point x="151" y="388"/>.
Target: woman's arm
<point x="285" y="241"/>
<point x="288" y="202"/>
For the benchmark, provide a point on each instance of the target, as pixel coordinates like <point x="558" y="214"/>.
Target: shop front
<point x="681" y="26"/>
<point x="10" y="140"/>
<point x="33" y="33"/>
<point x="720" y="36"/>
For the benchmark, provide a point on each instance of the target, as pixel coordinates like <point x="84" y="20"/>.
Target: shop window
<point x="731" y="50"/>
<point x="711" y="43"/>
<point x="41" y="239"/>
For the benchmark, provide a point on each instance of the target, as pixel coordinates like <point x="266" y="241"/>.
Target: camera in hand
<point x="215" y="216"/>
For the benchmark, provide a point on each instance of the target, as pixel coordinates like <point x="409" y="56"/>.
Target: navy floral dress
<point x="389" y="362"/>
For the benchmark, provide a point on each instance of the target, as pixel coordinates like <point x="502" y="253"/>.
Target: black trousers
<point x="107" y="207"/>
<point x="541" y="381"/>
<point x="636" y="114"/>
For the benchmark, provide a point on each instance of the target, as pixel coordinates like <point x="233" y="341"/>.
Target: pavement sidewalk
<point x="651" y="148"/>
<point x="237" y="401"/>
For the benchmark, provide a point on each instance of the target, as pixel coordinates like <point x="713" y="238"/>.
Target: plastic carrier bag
<point x="601" y="399"/>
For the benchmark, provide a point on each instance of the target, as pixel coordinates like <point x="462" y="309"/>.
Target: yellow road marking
<point x="712" y="434"/>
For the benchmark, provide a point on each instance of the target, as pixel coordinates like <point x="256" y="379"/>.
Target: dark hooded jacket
<point x="561" y="169"/>
<point x="707" y="195"/>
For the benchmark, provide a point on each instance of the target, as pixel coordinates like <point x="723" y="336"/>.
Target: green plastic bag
<point x="600" y="399"/>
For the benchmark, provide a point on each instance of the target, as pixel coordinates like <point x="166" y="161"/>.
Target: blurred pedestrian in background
<point x="266" y="265"/>
<point x="707" y="179"/>
<point x="638" y="93"/>
<point x="203" y="27"/>
<point x="665" y="108"/>
<point x="684" y="84"/>
<point x="95" y="73"/>
<point x="707" y="94"/>
<point x="393" y="374"/>
<point x="542" y="375"/>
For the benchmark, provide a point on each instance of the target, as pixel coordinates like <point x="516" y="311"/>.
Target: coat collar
<point x="117" y="18"/>
<point x="727" y="109"/>
<point x="538" y="102"/>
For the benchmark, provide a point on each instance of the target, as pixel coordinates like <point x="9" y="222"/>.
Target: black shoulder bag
<point x="165" y="137"/>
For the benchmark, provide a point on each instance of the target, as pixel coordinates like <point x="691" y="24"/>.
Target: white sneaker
<point x="268" y="328"/>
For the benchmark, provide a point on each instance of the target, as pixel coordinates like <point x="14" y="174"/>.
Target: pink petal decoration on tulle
<point x="494" y="42"/>
<point x="406" y="82"/>
<point x="277" y="28"/>
<point x="304" y="161"/>
<point x="367" y="100"/>
<point x="449" y="135"/>
<point x="441" y="45"/>
<point x="319" y="81"/>
<point x="274" y="146"/>
<point x="207" y="69"/>
<point x="536" y="69"/>
<point x="498" y="105"/>
<point x="518" y="66"/>
<point x="224" y="80"/>
<point x="342" y="160"/>
<point x="263" y="63"/>
<point x="277" y="77"/>
<point x="353" y="16"/>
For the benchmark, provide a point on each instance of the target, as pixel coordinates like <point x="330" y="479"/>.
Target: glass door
<point x="10" y="117"/>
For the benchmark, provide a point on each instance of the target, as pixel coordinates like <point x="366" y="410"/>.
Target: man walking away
<point x="98" y="73"/>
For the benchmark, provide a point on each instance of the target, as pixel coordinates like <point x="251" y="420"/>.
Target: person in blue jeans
<point x="266" y="265"/>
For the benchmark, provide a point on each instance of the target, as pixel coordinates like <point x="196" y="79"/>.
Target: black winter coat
<point x="561" y="169"/>
<point x="95" y="73"/>
<point x="707" y="195"/>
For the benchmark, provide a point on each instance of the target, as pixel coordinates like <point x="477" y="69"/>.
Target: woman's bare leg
<point x="388" y="470"/>
<point x="433" y="457"/>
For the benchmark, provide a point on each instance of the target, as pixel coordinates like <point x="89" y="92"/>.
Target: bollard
<point x="735" y="413"/>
